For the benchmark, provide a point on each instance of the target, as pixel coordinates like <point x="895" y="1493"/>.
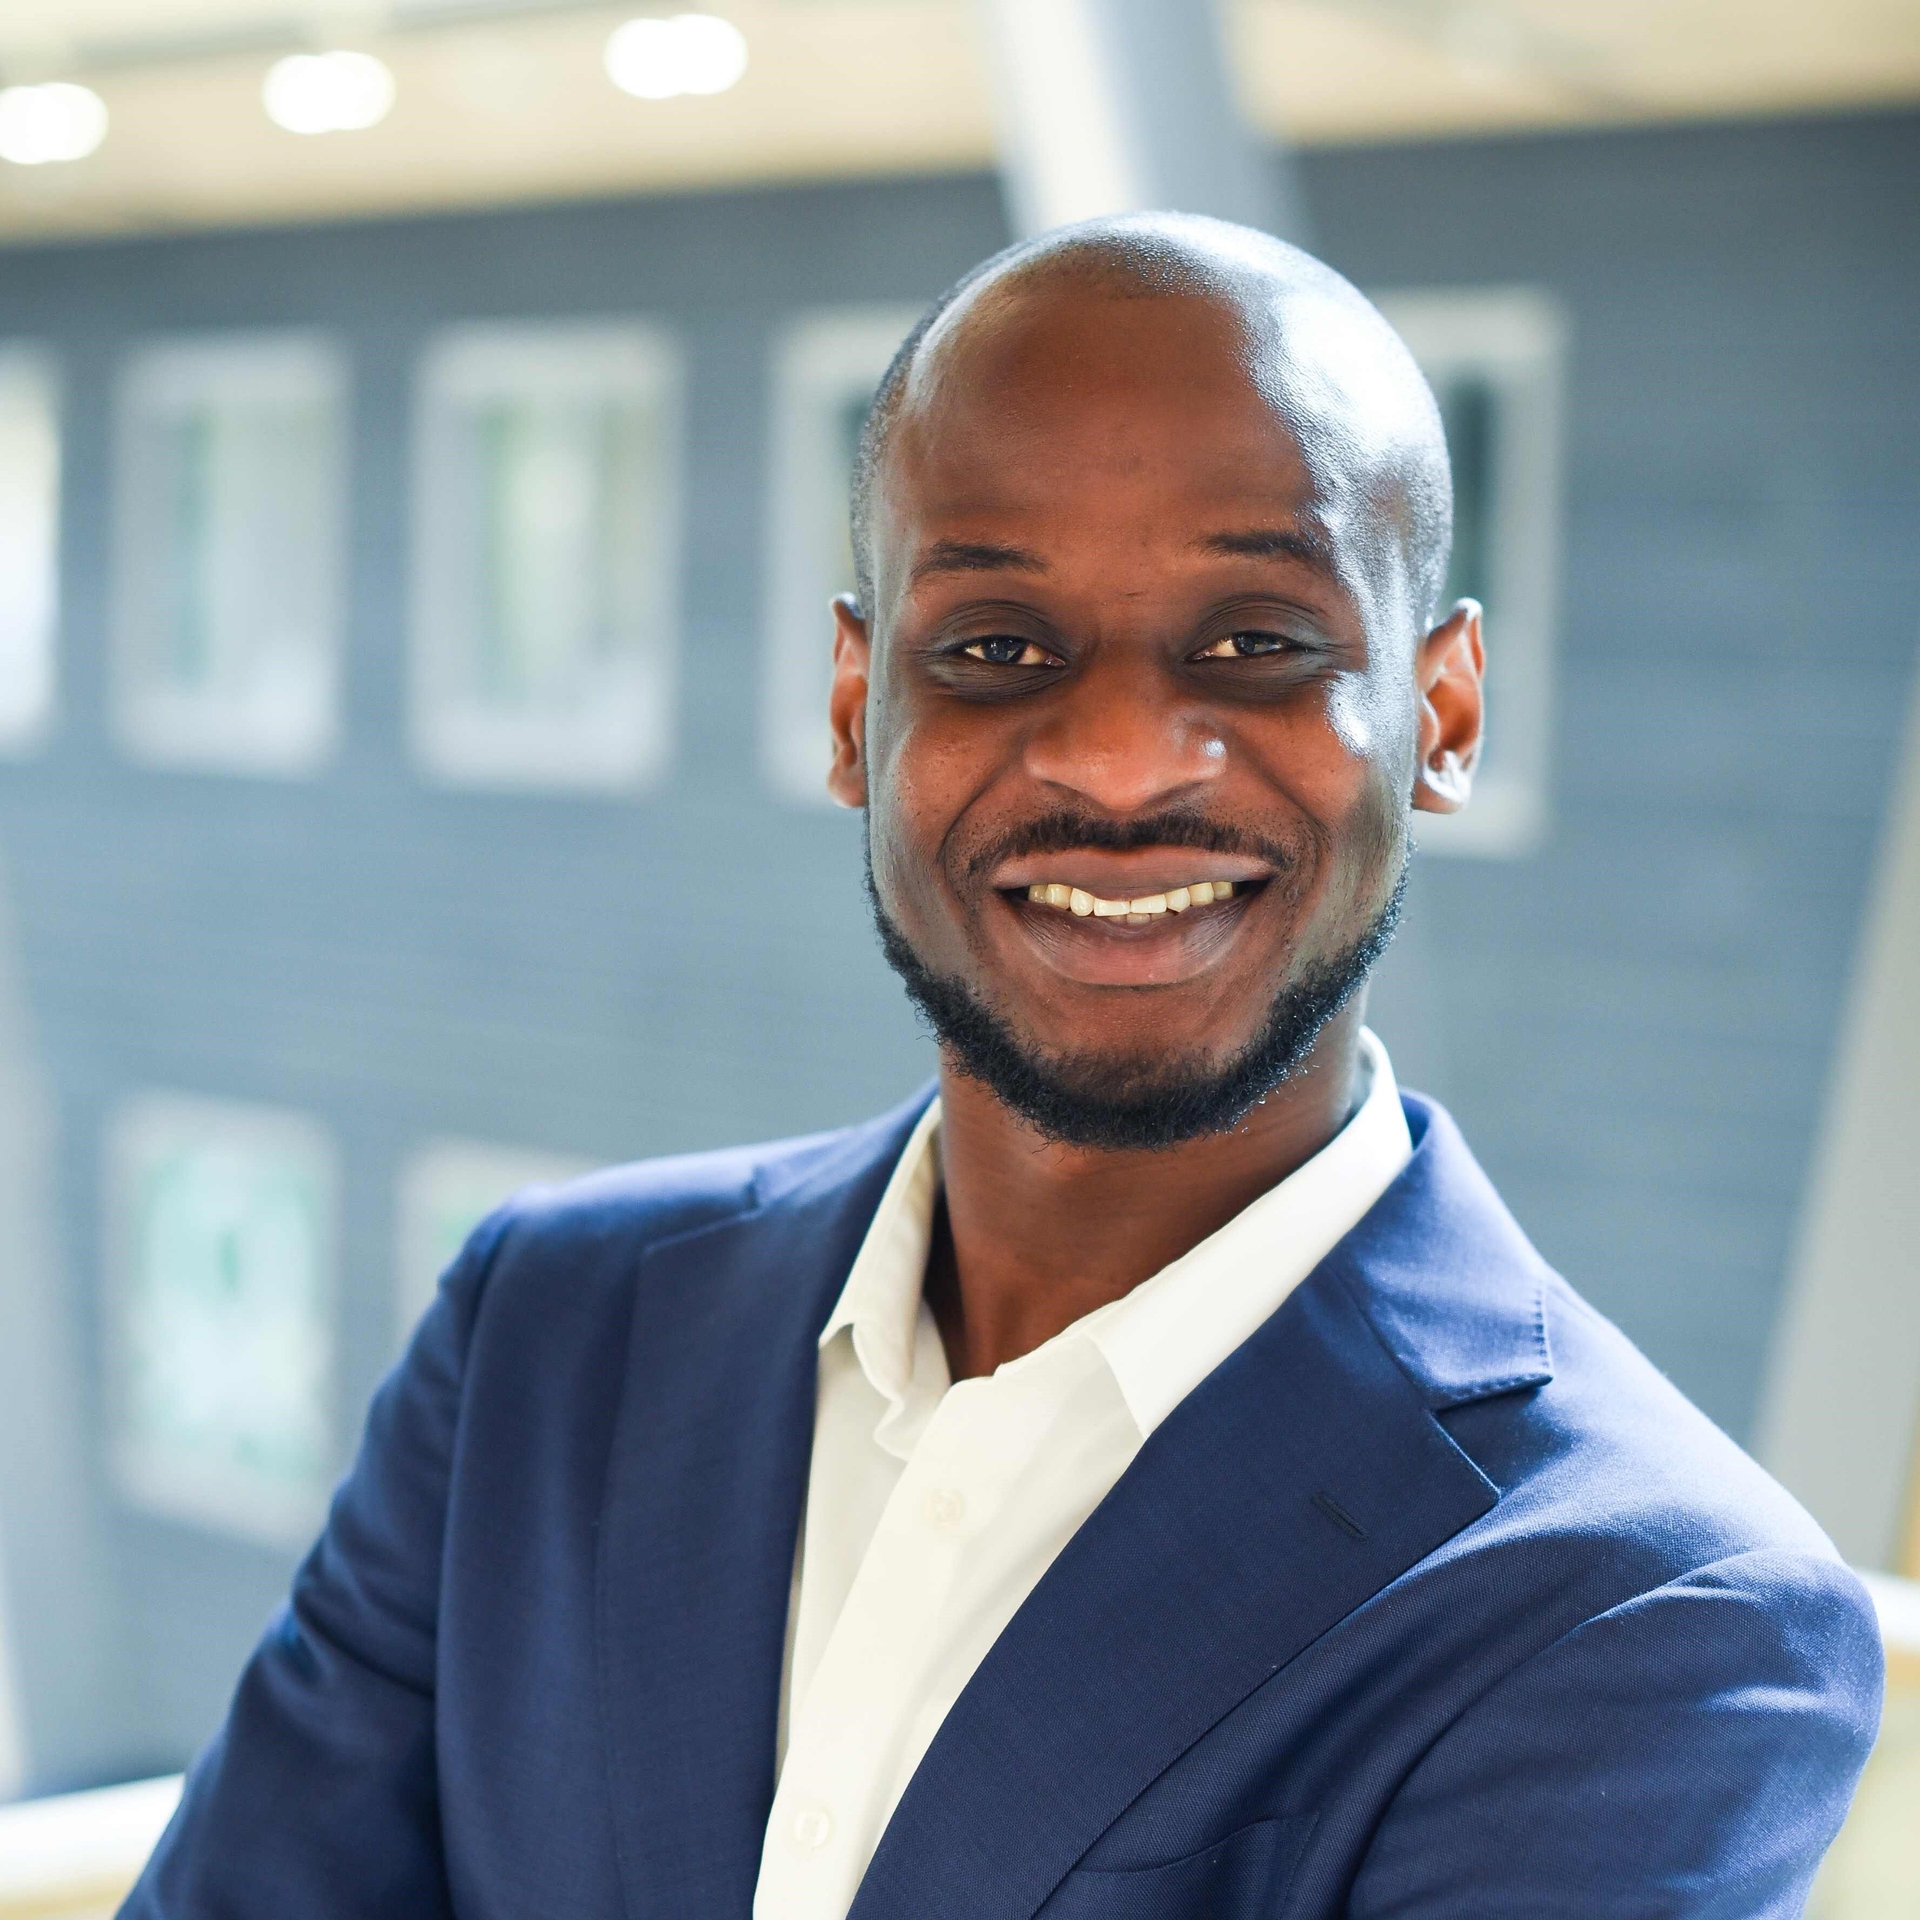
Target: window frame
<point x="144" y="1126"/>
<point x="190" y="733"/>
<point x="1516" y="338"/>
<point x="819" y="360"/>
<point x="31" y="366"/>
<point x="457" y="741"/>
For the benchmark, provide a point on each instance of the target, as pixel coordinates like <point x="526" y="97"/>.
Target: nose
<point x="1122" y="739"/>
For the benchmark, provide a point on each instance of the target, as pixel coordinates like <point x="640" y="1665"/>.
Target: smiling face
<point x="1139" y="713"/>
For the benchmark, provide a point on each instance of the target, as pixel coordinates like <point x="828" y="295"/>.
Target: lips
<point x="1130" y="939"/>
<point x="1148" y="915"/>
<point x="1137" y="873"/>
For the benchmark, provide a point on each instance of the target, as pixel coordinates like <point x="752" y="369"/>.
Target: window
<point x="825" y="369"/>
<point x="1496" y="362"/>
<point x="546" y="515"/>
<point x="29" y="546"/>
<point x="446" y="1189"/>
<point x="230" y="540"/>
<point x="220" y="1321"/>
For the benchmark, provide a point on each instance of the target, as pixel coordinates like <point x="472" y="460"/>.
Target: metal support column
<point x="1842" y="1407"/>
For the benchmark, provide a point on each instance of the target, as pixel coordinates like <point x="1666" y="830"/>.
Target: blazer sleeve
<point x="1690" y="1753"/>
<point x="318" y="1795"/>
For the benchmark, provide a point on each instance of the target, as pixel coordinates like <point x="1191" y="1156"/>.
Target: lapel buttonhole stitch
<point x="1338" y="1514"/>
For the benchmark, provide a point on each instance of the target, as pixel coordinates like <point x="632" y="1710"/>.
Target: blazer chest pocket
<point x="1241" y="1877"/>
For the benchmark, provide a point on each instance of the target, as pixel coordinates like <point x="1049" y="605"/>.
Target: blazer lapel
<point x="705" y="1479"/>
<point x="1306" y="1474"/>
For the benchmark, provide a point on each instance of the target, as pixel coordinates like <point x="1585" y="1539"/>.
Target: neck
<point x="1032" y="1235"/>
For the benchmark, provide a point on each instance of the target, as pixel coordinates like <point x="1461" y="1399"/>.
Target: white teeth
<point x="1136" y="913"/>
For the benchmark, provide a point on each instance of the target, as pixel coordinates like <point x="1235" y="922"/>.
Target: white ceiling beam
<point x="1126" y="106"/>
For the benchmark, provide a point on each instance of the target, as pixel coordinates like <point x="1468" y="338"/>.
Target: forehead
<point x="1018" y="370"/>
<point x="1084" y="407"/>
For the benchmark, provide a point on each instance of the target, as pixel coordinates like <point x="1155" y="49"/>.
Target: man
<point x="1156" y="1477"/>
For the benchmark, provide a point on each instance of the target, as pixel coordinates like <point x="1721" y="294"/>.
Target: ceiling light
<point x="690" y="53"/>
<point x="55" y="121"/>
<point x="327" y="92"/>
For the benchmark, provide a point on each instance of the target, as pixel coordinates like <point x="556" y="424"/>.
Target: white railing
<point x="74" y="1857"/>
<point x="1897" y="1602"/>
<point x="1873" y="1872"/>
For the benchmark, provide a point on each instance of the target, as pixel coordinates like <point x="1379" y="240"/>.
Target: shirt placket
<point x="853" y="1748"/>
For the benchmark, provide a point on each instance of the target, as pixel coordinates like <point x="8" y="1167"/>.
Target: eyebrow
<point x="975" y="556"/>
<point x="1271" y="543"/>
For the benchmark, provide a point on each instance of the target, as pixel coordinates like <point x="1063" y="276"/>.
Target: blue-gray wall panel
<point x="1633" y="1025"/>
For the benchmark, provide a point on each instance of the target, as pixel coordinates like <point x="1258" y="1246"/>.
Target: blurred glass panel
<point x="29" y="546"/>
<point x="229" y="547"/>
<point x="548" y="526"/>
<point x="220" y="1324"/>
<point x="447" y="1187"/>
<point x="1495" y="359"/>
<point x="826" y="367"/>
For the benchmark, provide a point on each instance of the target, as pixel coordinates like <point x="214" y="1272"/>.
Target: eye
<point x="1245" y="646"/>
<point x="1008" y="650"/>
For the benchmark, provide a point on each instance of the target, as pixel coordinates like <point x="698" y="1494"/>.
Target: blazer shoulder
<point x="644" y="1202"/>
<point x="1588" y="1443"/>
<point x="1610" y="1453"/>
<point x="590" y="1231"/>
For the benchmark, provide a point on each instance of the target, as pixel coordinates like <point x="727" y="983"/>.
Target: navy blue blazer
<point x="1435" y="1599"/>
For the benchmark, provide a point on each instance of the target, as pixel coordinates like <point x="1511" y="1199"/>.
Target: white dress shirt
<point x="934" y="1507"/>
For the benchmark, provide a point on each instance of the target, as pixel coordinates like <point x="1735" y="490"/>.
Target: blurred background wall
<point x="418" y="802"/>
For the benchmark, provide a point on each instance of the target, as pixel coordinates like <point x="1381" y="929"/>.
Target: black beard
<point x="1120" y="1105"/>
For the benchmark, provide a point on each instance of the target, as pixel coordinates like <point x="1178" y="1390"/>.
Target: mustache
<point x="1064" y="831"/>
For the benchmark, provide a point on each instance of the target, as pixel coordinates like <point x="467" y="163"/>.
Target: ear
<point x="847" y="703"/>
<point x="1449" y="672"/>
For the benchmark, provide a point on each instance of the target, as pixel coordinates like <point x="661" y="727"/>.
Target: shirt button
<point x="946" y="1507"/>
<point x="813" y="1828"/>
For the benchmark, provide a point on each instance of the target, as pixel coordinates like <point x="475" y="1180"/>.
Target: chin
<point x="1132" y="1075"/>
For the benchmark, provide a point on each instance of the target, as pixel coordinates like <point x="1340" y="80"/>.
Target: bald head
<point x="1151" y="516"/>
<point x="1315" y="349"/>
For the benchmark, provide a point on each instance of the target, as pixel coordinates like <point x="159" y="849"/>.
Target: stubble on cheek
<point x="914" y="876"/>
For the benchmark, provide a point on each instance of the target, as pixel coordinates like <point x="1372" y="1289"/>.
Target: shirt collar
<point x="1162" y="1339"/>
<point x="881" y="1300"/>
